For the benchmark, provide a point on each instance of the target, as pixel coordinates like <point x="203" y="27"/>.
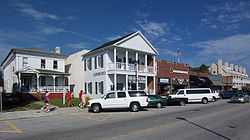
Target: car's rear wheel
<point x="214" y="99"/>
<point x="204" y="100"/>
<point x="159" y="105"/>
<point x="134" y="107"/>
<point x="96" y="108"/>
<point x="182" y="103"/>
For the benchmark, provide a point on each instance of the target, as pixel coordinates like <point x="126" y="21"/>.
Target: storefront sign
<point x="132" y="79"/>
<point x="164" y="81"/>
<point x="180" y="71"/>
<point x="99" y="73"/>
<point x="180" y="81"/>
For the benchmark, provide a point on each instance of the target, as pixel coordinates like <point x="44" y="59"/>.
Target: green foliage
<point x="202" y="69"/>
<point x="59" y="102"/>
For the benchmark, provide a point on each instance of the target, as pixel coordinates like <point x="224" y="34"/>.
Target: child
<point x="47" y="102"/>
<point x="80" y="99"/>
<point x="68" y="98"/>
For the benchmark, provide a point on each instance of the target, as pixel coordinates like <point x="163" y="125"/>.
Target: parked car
<point x="176" y="101"/>
<point x="156" y="101"/>
<point x="227" y="94"/>
<point x="133" y="100"/>
<point x="240" y="97"/>
<point x="203" y="95"/>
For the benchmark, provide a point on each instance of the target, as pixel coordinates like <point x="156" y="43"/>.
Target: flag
<point x="179" y="53"/>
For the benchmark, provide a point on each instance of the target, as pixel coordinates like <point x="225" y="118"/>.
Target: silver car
<point x="240" y="97"/>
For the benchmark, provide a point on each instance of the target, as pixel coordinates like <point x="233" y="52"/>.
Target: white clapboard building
<point x="127" y="63"/>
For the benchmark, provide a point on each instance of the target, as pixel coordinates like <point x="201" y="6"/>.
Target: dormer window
<point x="43" y="63"/>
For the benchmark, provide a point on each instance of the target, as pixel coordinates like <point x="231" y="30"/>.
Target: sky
<point x="203" y="30"/>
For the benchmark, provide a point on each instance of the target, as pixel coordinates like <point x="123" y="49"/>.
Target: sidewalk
<point x="38" y="113"/>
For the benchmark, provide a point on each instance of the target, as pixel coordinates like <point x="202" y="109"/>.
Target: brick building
<point x="171" y="76"/>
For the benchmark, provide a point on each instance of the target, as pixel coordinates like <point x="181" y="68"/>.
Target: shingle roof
<point x="110" y="43"/>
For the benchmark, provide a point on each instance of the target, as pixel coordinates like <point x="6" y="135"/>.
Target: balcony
<point x="131" y="67"/>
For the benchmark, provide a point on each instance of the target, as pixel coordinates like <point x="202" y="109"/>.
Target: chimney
<point x="244" y="70"/>
<point x="219" y="66"/>
<point x="58" y="50"/>
<point x="226" y="64"/>
<point x="240" y="69"/>
<point x="232" y="66"/>
<point x="236" y="68"/>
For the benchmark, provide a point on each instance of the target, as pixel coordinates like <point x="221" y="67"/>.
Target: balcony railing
<point x="131" y="67"/>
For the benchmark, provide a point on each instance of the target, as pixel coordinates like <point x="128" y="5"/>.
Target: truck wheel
<point x="214" y="99"/>
<point x="204" y="100"/>
<point x="159" y="105"/>
<point x="96" y="108"/>
<point x="134" y="107"/>
<point x="182" y="103"/>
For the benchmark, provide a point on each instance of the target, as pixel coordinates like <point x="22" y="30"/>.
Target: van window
<point x="121" y="95"/>
<point x="181" y="92"/>
<point x="111" y="95"/>
<point x="136" y="93"/>
<point x="206" y="91"/>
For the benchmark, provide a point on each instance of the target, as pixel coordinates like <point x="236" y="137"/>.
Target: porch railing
<point x="51" y="88"/>
<point x="131" y="67"/>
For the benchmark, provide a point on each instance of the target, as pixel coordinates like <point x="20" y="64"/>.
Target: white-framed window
<point x="55" y="64"/>
<point x="89" y="64"/>
<point x="100" y="88"/>
<point x="100" y="62"/>
<point x="43" y="63"/>
<point x="90" y="87"/>
<point x="25" y="62"/>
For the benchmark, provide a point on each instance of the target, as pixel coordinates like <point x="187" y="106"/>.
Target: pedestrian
<point x="80" y="99"/>
<point x="46" y="102"/>
<point x="83" y="101"/>
<point x="68" y="98"/>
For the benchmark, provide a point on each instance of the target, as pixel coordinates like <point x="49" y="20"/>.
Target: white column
<point x="154" y="86"/>
<point x="37" y="81"/>
<point x="54" y="82"/>
<point x="68" y="83"/>
<point x="146" y="63"/>
<point x="126" y="59"/>
<point x="154" y="63"/>
<point x="126" y="82"/>
<point x="20" y="82"/>
<point x="137" y="64"/>
<point x="114" y="58"/>
<point x="146" y="83"/>
<point x="115" y="82"/>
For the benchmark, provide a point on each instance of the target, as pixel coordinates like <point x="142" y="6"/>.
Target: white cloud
<point x="152" y="28"/>
<point x="113" y="37"/>
<point x="234" y="49"/>
<point x="50" y="30"/>
<point x="167" y="52"/>
<point x="28" y="10"/>
<point x="81" y="45"/>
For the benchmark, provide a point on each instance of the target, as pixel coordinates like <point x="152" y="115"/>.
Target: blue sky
<point x="203" y="30"/>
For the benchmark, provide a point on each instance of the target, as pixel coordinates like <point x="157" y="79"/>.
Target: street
<point x="216" y="120"/>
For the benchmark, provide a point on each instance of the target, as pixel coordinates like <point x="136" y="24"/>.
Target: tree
<point x="202" y="69"/>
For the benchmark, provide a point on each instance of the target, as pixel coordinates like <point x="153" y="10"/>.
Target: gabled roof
<point x="31" y="50"/>
<point x="122" y="39"/>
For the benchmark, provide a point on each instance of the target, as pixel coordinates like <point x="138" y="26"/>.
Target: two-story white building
<point x="30" y="70"/>
<point x="127" y="63"/>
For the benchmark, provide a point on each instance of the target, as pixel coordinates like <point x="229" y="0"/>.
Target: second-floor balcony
<point x="130" y="67"/>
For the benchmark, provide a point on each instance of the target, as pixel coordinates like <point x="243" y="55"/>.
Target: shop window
<point x="101" y="87"/>
<point x="90" y="87"/>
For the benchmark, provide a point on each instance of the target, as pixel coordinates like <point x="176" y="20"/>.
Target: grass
<point x="22" y="106"/>
<point x="59" y="102"/>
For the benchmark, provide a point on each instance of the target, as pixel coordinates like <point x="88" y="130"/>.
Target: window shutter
<point x="95" y="63"/>
<point x="101" y="61"/>
<point x="90" y="64"/>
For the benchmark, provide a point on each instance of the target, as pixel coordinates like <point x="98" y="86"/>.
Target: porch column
<point x="137" y="64"/>
<point x="126" y="59"/>
<point x="154" y="63"/>
<point x="154" y="86"/>
<point x="20" y="82"/>
<point x="115" y="81"/>
<point x="37" y="81"/>
<point x="54" y="82"/>
<point x="146" y="84"/>
<point x="126" y="82"/>
<point x="68" y="83"/>
<point x="146" y="63"/>
<point x="115" y="58"/>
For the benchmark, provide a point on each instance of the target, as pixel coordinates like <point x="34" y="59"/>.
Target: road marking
<point x="170" y="124"/>
<point x="9" y="127"/>
<point x="132" y="114"/>
<point x="90" y="117"/>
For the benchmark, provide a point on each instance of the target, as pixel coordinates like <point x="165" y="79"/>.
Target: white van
<point x="195" y="95"/>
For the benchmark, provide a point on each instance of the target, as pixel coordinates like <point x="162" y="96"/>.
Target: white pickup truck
<point x="134" y="100"/>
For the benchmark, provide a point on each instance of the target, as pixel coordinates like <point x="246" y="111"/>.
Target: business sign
<point x="132" y="79"/>
<point x="180" y="71"/>
<point x="164" y="81"/>
<point x="99" y="73"/>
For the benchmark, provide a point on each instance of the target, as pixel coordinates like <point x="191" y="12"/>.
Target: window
<point x="55" y="64"/>
<point x="96" y="62"/>
<point x="121" y="95"/>
<point x="85" y="65"/>
<point x="89" y="64"/>
<point x="119" y="86"/>
<point x="136" y="93"/>
<point x="25" y="62"/>
<point x="110" y="95"/>
<point x="85" y="86"/>
<point x="42" y="63"/>
<point x="90" y="87"/>
<point x="181" y="92"/>
<point x="43" y="81"/>
<point x="101" y="87"/>
<point x="99" y="62"/>
<point x="198" y="91"/>
<point x="96" y="88"/>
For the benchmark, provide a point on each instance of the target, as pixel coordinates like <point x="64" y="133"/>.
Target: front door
<point x="26" y="83"/>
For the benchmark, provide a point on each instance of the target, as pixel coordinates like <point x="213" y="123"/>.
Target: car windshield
<point x="175" y="92"/>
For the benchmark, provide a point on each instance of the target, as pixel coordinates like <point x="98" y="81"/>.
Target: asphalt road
<point x="218" y="120"/>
